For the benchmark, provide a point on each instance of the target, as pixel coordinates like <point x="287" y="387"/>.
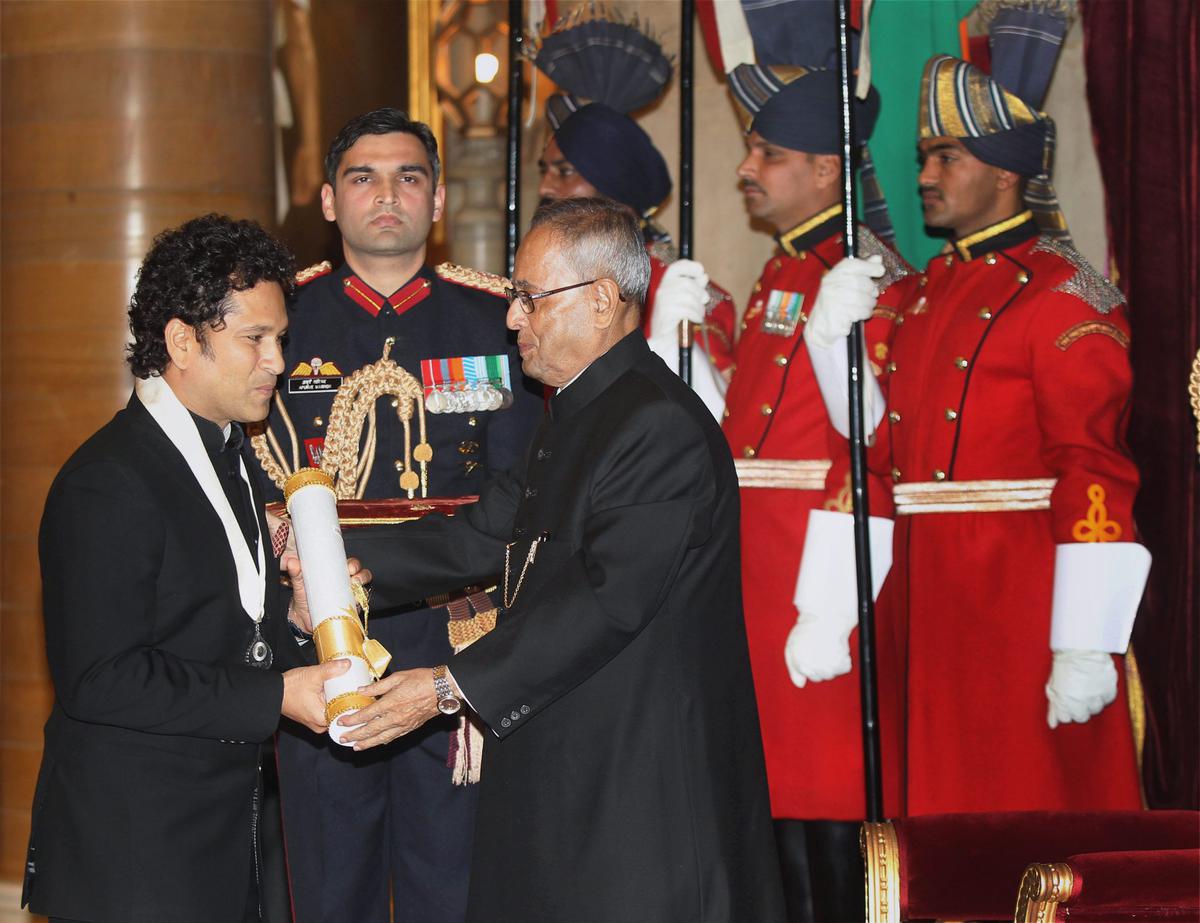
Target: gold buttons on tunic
<point x="896" y="475"/>
<point x="318" y="421"/>
<point x="985" y="313"/>
<point x="758" y="286"/>
<point x="395" y="402"/>
<point x="749" y="452"/>
<point x="1022" y="277"/>
<point x="472" y="420"/>
<point x="766" y="410"/>
<point x="923" y="280"/>
<point x="951" y="414"/>
<point x="990" y="259"/>
<point x="781" y="360"/>
<point x="390" y="341"/>
<point x="961" y="363"/>
<point x="891" y="367"/>
<point x="725" y="414"/>
<point x="894" y="416"/>
<point x="900" y="320"/>
<point x="939" y="474"/>
<point x="399" y="464"/>
<point x="802" y="255"/>
<point x="803" y="318"/>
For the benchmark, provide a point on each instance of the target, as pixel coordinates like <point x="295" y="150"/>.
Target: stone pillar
<point x="118" y="119"/>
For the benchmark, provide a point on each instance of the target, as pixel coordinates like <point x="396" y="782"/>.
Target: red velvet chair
<point x="970" y="866"/>
<point x="1111" y="887"/>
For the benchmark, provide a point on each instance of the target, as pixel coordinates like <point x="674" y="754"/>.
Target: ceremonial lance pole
<point x="512" y="175"/>
<point x="872" y="770"/>
<point x="686" y="133"/>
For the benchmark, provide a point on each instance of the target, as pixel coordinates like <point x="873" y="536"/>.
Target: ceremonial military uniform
<point x="355" y="820"/>
<point x="1008" y="387"/>
<point x="791" y="461"/>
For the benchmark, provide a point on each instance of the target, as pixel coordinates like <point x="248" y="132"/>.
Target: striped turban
<point x="958" y="100"/>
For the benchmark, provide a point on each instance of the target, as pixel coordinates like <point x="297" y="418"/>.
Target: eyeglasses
<point x="527" y="299"/>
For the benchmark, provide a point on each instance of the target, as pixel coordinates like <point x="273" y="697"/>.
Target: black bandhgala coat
<point x="624" y="780"/>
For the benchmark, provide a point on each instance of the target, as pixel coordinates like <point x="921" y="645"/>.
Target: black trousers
<point x="384" y="827"/>
<point x="822" y="870"/>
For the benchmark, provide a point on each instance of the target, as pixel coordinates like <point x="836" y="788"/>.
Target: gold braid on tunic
<point x="347" y="457"/>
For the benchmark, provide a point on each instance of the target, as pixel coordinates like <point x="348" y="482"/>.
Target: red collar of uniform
<point x="403" y="299"/>
<point x="807" y="234"/>
<point x="999" y="236"/>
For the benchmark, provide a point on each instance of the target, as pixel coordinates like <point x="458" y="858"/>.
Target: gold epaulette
<point x="315" y="271"/>
<point x="1087" y="284"/>
<point x="473" y="278"/>
<point x="894" y="267"/>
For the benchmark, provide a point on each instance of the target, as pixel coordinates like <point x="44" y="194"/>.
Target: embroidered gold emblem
<point x="881" y="351"/>
<point x="1096" y="526"/>
<point x="474" y="278"/>
<point x="844" y="501"/>
<point x="1082" y="329"/>
<point x="311" y="272"/>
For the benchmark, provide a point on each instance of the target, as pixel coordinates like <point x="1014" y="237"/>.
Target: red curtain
<point x="1143" y="85"/>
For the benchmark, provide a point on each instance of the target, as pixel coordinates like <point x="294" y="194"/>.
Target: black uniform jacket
<point x="144" y="803"/>
<point x="340" y="321"/>
<point x="625" y="779"/>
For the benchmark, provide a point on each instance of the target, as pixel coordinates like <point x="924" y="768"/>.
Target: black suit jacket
<point x="143" y="807"/>
<point x="627" y="780"/>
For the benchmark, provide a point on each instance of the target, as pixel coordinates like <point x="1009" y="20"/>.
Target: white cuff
<point x="828" y="582"/>
<point x="1097" y="588"/>
<point x="832" y="370"/>
<point x="706" y="380"/>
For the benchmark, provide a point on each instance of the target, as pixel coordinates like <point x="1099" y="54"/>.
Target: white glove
<point x="817" y="648"/>
<point x="1081" y="684"/>
<point x="847" y="295"/>
<point x="826" y="596"/>
<point x="681" y="295"/>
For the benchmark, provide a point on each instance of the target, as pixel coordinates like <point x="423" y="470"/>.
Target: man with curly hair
<point x="166" y="634"/>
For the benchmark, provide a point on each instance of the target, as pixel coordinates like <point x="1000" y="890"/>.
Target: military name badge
<point x="782" y="313"/>
<point x="318" y="376"/>
<point x="466" y="384"/>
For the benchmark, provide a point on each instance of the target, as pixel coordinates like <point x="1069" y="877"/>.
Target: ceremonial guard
<point x="356" y="822"/>
<point x="793" y="468"/>
<point x="1017" y="570"/>
<point x="609" y="69"/>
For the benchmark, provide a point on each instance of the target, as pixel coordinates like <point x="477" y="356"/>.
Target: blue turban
<point x="805" y="115"/>
<point x="615" y="155"/>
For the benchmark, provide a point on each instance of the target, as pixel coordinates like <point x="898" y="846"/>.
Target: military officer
<point x="1007" y="399"/>
<point x="597" y="149"/>
<point x="401" y="825"/>
<point x="794" y="475"/>
<point x="1017" y="569"/>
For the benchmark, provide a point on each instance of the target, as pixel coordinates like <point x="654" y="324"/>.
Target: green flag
<point x="904" y="35"/>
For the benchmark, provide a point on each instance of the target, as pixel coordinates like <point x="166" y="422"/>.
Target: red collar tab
<point x="363" y="295"/>
<point x="410" y="295"/>
<point x="406" y="297"/>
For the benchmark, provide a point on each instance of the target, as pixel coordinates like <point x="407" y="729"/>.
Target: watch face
<point x="449" y="705"/>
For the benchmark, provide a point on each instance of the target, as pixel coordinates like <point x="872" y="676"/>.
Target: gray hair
<point x="601" y="240"/>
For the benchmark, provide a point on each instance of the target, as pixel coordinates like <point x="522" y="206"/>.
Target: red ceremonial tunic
<point x="812" y="737"/>
<point x="716" y="335"/>
<point x="1010" y="363"/>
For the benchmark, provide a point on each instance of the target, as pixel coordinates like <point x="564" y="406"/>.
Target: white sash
<point x="173" y="419"/>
